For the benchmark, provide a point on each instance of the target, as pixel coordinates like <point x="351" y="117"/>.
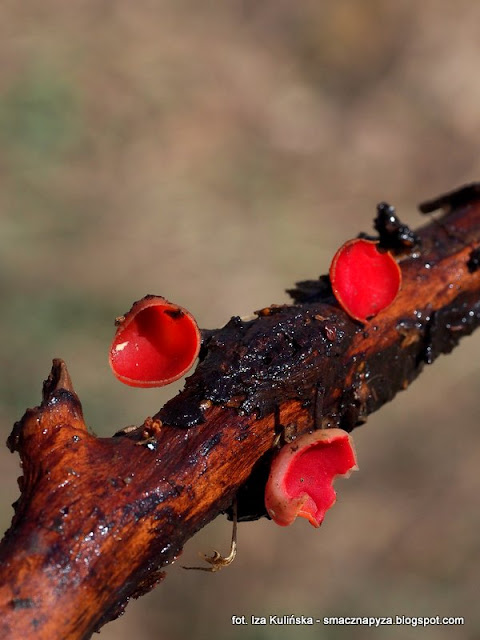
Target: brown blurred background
<point x="215" y="153"/>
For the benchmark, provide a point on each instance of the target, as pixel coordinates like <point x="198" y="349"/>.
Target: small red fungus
<point x="155" y="344"/>
<point x="364" y="279"/>
<point x="301" y="476"/>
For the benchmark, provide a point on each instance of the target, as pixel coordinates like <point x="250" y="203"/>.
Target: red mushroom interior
<point x="301" y="476"/>
<point x="364" y="280"/>
<point x="155" y="344"/>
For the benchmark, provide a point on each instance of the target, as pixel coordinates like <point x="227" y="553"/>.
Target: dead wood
<point x="98" y="518"/>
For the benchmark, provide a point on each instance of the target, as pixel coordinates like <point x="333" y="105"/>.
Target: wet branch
<point x="98" y="518"/>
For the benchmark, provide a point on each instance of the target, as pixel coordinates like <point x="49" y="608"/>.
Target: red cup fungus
<point x="156" y="343"/>
<point x="301" y="476"/>
<point x="364" y="279"/>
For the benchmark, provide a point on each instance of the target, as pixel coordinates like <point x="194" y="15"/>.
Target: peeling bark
<point x="98" y="518"/>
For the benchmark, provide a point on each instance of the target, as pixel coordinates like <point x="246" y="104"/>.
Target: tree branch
<point x="98" y="518"/>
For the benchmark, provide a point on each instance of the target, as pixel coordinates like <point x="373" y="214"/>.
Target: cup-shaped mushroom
<point x="364" y="279"/>
<point x="156" y="343"/>
<point x="302" y="473"/>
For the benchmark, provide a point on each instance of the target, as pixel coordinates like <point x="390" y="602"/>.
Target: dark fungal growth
<point x="319" y="290"/>
<point x="255" y="365"/>
<point x="473" y="263"/>
<point x="393" y="234"/>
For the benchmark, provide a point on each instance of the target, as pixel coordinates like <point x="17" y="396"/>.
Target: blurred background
<point x="215" y="153"/>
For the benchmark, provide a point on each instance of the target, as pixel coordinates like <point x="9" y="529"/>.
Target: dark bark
<point x="98" y="518"/>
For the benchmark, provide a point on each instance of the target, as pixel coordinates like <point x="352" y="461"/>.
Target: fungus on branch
<point x="302" y="473"/>
<point x="364" y="279"/>
<point x="156" y="343"/>
<point x="98" y="518"/>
